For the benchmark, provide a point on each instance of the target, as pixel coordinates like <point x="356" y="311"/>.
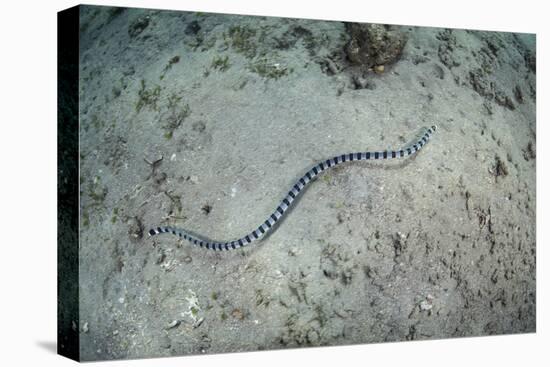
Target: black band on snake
<point x="279" y="212"/>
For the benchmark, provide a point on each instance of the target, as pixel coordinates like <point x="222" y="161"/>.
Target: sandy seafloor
<point x="441" y="245"/>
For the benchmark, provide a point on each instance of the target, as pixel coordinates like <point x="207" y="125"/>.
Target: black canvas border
<point x="68" y="343"/>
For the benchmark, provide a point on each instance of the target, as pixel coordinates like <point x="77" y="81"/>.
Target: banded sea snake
<point x="279" y="212"/>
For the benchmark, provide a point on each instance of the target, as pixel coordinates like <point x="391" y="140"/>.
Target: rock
<point x="135" y="229"/>
<point x="374" y="44"/>
<point x="173" y="324"/>
<point x="427" y="303"/>
<point x="138" y="26"/>
<point x="328" y="66"/>
<point x="192" y="28"/>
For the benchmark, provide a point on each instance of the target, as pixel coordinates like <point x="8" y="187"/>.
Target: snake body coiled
<point x="285" y="204"/>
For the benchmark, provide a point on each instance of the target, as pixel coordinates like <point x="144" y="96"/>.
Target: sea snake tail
<point x="279" y="212"/>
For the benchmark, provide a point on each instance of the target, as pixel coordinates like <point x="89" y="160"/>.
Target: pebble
<point x="173" y="324"/>
<point x="379" y="69"/>
<point x="332" y="66"/>
<point x="426" y="304"/>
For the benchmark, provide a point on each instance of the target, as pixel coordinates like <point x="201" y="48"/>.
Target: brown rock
<point x="374" y="44"/>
